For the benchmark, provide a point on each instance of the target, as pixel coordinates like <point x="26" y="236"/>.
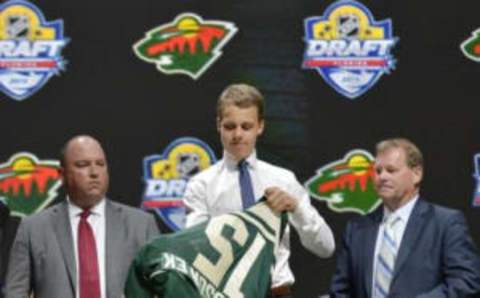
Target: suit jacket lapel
<point x="413" y="230"/>
<point x="370" y="241"/>
<point x="113" y="245"/>
<point x="63" y="231"/>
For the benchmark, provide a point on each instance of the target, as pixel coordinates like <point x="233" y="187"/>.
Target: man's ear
<point x="417" y="175"/>
<point x="61" y="174"/>
<point x="219" y="123"/>
<point x="261" y="127"/>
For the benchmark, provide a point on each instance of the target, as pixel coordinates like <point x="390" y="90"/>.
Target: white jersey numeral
<point x="215" y="271"/>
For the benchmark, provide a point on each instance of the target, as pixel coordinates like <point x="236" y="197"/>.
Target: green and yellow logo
<point x="471" y="46"/>
<point x="347" y="184"/>
<point x="189" y="45"/>
<point x="27" y="184"/>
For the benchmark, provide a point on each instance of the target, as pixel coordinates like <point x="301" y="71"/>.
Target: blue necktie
<point x="248" y="199"/>
<point x="386" y="259"/>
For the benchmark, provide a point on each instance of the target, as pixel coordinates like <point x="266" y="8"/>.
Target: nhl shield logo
<point x="28" y="184"/>
<point x="347" y="184"/>
<point x="167" y="175"/>
<point x="30" y="49"/>
<point x="349" y="49"/>
<point x="189" y="45"/>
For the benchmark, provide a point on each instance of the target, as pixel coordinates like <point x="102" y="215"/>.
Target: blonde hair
<point x="413" y="155"/>
<point x="242" y="96"/>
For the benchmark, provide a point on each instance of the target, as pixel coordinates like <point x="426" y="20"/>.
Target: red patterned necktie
<point x="89" y="277"/>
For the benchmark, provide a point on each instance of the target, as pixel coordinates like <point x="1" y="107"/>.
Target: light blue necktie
<point x="248" y="198"/>
<point x="386" y="259"/>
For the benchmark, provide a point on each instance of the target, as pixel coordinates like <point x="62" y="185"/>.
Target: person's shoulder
<point x="441" y="213"/>
<point x="43" y="217"/>
<point x="439" y="210"/>
<point x="275" y="169"/>
<point x="208" y="173"/>
<point x="128" y="210"/>
<point x="367" y="220"/>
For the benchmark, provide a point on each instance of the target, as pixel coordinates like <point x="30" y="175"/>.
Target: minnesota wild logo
<point x="28" y="185"/>
<point x="189" y="45"/>
<point x="471" y="46"/>
<point x="347" y="184"/>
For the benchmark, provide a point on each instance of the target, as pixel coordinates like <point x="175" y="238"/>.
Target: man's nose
<point x="238" y="132"/>
<point x="382" y="175"/>
<point x="93" y="171"/>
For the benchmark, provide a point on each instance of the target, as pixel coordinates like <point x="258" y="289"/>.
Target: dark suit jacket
<point x="437" y="257"/>
<point x="42" y="258"/>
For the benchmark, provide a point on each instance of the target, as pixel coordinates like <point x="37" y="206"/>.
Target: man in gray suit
<point x="82" y="247"/>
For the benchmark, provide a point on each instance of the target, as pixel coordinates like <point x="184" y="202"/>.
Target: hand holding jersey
<point x="280" y="200"/>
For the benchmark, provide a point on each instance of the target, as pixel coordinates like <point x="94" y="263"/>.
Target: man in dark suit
<point x="83" y="246"/>
<point x="407" y="247"/>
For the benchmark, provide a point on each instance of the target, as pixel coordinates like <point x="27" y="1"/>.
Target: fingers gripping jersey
<point x="229" y="256"/>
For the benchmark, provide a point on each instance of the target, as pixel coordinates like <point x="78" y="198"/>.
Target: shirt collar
<point x="232" y="163"/>
<point x="74" y="210"/>
<point x="403" y="212"/>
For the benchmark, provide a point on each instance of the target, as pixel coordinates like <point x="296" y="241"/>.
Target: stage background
<point x="431" y="98"/>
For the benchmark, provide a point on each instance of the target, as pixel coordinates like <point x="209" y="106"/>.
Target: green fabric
<point x="165" y="267"/>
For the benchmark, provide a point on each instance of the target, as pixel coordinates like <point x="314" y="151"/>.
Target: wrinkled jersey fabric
<point x="228" y="256"/>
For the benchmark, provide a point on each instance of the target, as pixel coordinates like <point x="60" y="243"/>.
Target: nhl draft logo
<point x="30" y="49"/>
<point x="27" y="184"/>
<point x="167" y="175"/>
<point x="476" y="175"/>
<point x="189" y="45"/>
<point x="471" y="46"/>
<point x="347" y="184"/>
<point x="349" y="49"/>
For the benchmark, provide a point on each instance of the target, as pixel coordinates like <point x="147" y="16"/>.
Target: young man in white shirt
<point x="217" y="190"/>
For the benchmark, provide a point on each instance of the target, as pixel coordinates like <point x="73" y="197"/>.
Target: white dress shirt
<point x="97" y="223"/>
<point x="216" y="191"/>
<point x="403" y="213"/>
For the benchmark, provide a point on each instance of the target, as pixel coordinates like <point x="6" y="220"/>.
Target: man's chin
<point x="386" y="196"/>
<point x="238" y="155"/>
<point x="385" y="192"/>
<point x="93" y="198"/>
<point x="87" y="201"/>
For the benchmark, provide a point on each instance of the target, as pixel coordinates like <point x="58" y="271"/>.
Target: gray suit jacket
<point x="42" y="258"/>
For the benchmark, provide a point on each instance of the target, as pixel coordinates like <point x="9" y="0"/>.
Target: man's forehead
<point x="84" y="147"/>
<point x="391" y="155"/>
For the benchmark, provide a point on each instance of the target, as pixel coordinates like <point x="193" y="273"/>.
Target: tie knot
<point x="85" y="214"/>
<point x="391" y="220"/>
<point x="243" y="164"/>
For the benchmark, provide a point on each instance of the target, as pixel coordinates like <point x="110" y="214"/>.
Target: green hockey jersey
<point x="228" y="256"/>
